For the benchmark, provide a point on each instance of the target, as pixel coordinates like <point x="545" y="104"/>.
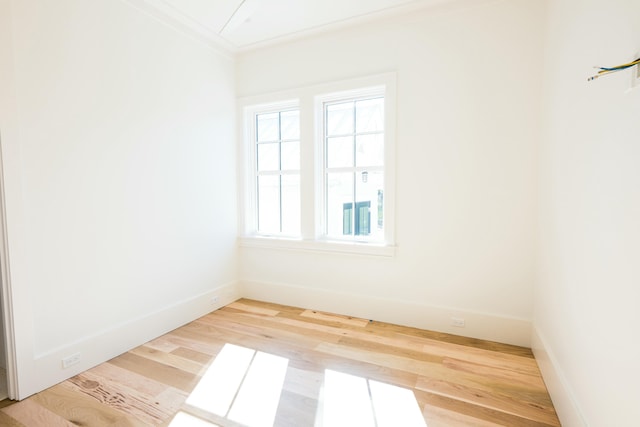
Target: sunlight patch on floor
<point x="345" y="401"/>
<point x="241" y="385"/>
<point x="348" y="400"/>
<point x="395" y="406"/>
<point x="218" y="387"/>
<point x="257" y="400"/>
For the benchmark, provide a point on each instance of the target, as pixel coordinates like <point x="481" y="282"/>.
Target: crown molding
<point x="431" y="6"/>
<point x="172" y="17"/>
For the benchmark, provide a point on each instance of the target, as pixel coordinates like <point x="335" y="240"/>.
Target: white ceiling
<point x="245" y="24"/>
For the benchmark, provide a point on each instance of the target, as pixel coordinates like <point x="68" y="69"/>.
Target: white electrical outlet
<point x="458" y="322"/>
<point x="70" y="360"/>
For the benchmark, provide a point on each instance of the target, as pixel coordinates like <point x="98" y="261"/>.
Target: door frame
<point x="6" y="293"/>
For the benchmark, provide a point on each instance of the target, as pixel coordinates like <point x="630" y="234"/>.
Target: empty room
<point x="322" y="213"/>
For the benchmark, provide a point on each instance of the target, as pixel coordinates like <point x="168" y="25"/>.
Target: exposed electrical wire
<point x="608" y="70"/>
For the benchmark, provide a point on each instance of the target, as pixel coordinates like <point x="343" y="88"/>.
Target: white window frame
<point x="321" y="193"/>
<point x="309" y="100"/>
<point x="251" y="214"/>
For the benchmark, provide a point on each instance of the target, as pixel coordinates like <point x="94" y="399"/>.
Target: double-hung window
<point x="354" y="166"/>
<point x="277" y="171"/>
<point x="318" y="169"/>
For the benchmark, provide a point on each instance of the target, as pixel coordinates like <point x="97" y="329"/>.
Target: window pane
<point x="268" y="128"/>
<point x="269" y="204"/>
<point x="340" y="119"/>
<point x="290" y="155"/>
<point x="291" y="204"/>
<point x="340" y="152"/>
<point x="268" y="157"/>
<point x="369" y="201"/>
<point x="370" y="115"/>
<point x="290" y="125"/>
<point x="339" y="200"/>
<point x="370" y="150"/>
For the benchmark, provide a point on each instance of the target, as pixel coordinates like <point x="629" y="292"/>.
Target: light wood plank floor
<point x="253" y="363"/>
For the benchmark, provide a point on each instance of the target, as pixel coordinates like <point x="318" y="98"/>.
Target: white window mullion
<point x="319" y="176"/>
<point x="307" y="181"/>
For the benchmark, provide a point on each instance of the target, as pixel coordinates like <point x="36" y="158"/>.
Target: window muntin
<point x="277" y="172"/>
<point x="354" y="153"/>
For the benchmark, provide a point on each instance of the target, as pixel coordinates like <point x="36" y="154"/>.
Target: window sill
<point x="326" y="246"/>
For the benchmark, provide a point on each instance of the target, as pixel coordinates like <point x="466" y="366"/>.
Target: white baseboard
<point x="104" y="345"/>
<point x="121" y="338"/>
<point x="561" y="393"/>
<point x="503" y="329"/>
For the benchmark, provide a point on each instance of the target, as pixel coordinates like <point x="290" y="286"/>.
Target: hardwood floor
<point x="253" y="363"/>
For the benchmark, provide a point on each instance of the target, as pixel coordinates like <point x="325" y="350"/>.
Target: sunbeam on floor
<point x="243" y="387"/>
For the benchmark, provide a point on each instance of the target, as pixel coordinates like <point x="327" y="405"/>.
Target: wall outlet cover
<point x="71" y="360"/>
<point x="458" y="322"/>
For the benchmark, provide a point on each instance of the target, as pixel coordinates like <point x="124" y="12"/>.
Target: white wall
<point x="117" y="167"/>
<point x="587" y="308"/>
<point x="468" y="80"/>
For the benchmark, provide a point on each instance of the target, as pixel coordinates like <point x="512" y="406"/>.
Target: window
<point x="318" y="169"/>
<point x="277" y="172"/>
<point x="354" y="167"/>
